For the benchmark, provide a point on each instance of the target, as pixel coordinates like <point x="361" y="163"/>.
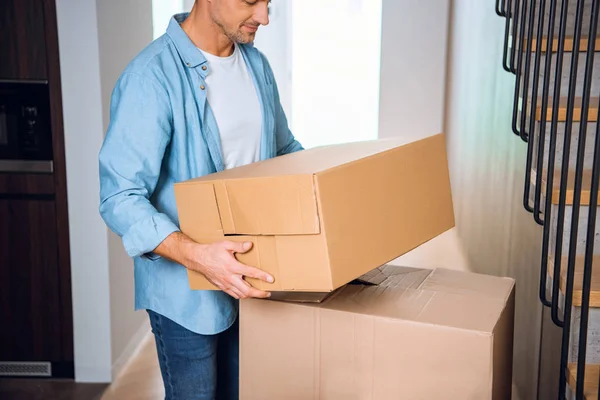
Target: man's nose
<point x="261" y="15"/>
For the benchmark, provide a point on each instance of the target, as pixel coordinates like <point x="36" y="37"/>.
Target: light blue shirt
<point x="162" y="131"/>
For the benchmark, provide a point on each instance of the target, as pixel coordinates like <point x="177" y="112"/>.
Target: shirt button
<point x="188" y="64"/>
<point x="202" y="87"/>
<point x="204" y="68"/>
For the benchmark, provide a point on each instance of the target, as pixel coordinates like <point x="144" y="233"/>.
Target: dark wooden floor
<point x="34" y="389"/>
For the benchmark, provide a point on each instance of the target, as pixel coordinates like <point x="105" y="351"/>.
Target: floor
<point x="30" y="389"/>
<point x="140" y="380"/>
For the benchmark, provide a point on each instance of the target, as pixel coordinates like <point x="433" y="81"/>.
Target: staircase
<point x="552" y="46"/>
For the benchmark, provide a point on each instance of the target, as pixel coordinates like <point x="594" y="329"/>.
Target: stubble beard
<point x="235" y="36"/>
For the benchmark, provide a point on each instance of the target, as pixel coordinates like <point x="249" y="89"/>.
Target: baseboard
<point x="132" y="348"/>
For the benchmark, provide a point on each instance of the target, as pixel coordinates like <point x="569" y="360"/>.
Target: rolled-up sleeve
<point x="130" y="162"/>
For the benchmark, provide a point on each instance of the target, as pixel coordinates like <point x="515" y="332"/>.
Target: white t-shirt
<point x="233" y="99"/>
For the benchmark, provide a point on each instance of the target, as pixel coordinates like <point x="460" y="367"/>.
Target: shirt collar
<point x="188" y="52"/>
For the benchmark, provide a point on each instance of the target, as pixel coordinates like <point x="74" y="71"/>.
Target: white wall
<point x="413" y="67"/>
<point x="487" y="168"/>
<point x="82" y="108"/>
<point x="274" y="40"/>
<point x="411" y="99"/>
<point x="162" y="10"/>
<point x="96" y="40"/>
<point x="130" y="19"/>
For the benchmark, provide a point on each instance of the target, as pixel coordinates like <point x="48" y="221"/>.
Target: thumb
<point x="240" y="247"/>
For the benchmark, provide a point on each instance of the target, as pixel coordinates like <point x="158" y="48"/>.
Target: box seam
<point x="218" y="208"/>
<point x="323" y="230"/>
<point x="491" y="371"/>
<point x="317" y="354"/>
<point x="228" y="208"/>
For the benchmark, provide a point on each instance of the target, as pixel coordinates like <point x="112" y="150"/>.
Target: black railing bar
<point x="529" y="137"/>
<point x="519" y="71"/>
<point x="589" y="245"/>
<point x="561" y="211"/>
<point x="499" y="8"/>
<point x="532" y="122"/>
<point x="506" y="36"/>
<point x="588" y="264"/>
<point x="516" y="24"/>
<point x="551" y="156"/>
<point x="527" y="21"/>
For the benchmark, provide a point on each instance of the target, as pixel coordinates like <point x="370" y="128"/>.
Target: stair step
<point x="585" y="187"/>
<point x="562" y="110"/>
<point x="592" y="373"/>
<point x="566" y="75"/>
<point x="569" y="44"/>
<point x="578" y="279"/>
<point x="560" y="138"/>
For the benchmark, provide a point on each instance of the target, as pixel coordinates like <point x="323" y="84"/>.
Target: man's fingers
<point x="248" y="291"/>
<point x="252" y="272"/>
<point x="235" y="293"/>
<point x="232" y="294"/>
<point x="259" y="294"/>
<point x="228" y="288"/>
<point x="238" y="247"/>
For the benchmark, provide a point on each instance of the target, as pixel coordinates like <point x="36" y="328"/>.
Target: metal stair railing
<point x="527" y="131"/>
<point x="593" y="202"/>
<point x="576" y="193"/>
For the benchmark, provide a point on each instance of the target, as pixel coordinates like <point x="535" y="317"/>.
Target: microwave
<point x="25" y="127"/>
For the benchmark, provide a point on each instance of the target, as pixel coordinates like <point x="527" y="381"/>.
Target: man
<point x="197" y="100"/>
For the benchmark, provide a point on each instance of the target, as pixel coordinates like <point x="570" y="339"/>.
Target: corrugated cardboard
<point x="321" y="217"/>
<point x="416" y="334"/>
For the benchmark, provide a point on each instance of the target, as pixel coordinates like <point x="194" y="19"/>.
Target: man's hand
<point x="216" y="262"/>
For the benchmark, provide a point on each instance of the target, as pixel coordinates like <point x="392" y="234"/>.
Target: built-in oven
<point x="25" y="128"/>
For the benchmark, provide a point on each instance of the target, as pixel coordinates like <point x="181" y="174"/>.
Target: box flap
<point x="313" y="297"/>
<point x="280" y="205"/>
<point x="440" y="297"/>
<point x="300" y="297"/>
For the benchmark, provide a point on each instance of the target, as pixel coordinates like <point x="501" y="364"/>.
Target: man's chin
<point x="245" y="38"/>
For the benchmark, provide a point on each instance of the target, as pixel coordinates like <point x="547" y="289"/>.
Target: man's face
<point x="239" y="19"/>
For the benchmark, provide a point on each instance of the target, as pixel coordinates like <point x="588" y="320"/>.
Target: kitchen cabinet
<point x="22" y="40"/>
<point x="35" y="271"/>
<point x="29" y="302"/>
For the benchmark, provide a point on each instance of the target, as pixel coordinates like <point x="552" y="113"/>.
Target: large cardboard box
<point x="321" y="217"/>
<point x="413" y="334"/>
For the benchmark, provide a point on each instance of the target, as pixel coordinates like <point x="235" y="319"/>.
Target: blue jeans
<point x="194" y="366"/>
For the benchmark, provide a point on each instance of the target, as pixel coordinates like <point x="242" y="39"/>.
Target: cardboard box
<point x="414" y="334"/>
<point x="321" y="217"/>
